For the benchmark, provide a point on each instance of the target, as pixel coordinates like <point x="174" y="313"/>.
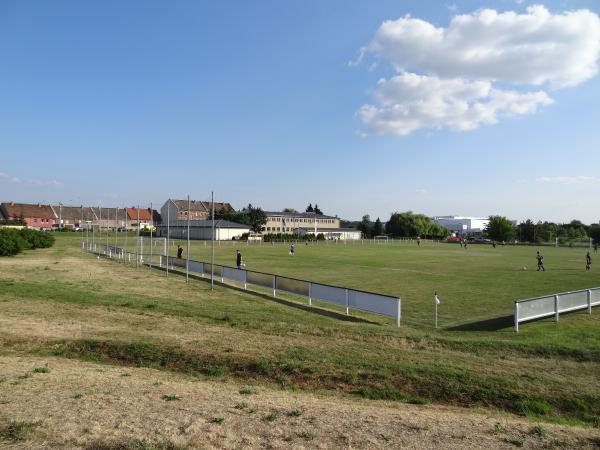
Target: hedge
<point x="14" y="241"/>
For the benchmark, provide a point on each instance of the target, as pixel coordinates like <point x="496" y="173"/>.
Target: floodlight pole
<point x="81" y="228"/>
<point x="116" y="228"/>
<point x="93" y="234"/>
<point x="168" y="233"/>
<point x="187" y="259"/>
<point x="151" y="226"/>
<point x="212" y="253"/>
<point x="137" y="244"/>
<point x="107" y="226"/>
<point x="126" y="233"/>
<point x="100" y="228"/>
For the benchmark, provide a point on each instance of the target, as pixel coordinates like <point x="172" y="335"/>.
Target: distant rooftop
<point x="309" y="215"/>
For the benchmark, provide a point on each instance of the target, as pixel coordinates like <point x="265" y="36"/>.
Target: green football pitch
<point x="474" y="284"/>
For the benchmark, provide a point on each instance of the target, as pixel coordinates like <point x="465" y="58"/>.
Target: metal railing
<point x="555" y="304"/>
<point x="347" y="298"/>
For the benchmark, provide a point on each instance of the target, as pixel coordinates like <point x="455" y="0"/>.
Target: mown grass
<point x="546" y="371"/>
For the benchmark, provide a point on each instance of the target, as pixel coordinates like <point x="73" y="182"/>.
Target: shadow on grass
<point x="495" y="324"/>
<point x="311" y="309"/>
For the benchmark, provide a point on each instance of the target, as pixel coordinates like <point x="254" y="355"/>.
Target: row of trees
<point x="502" y="229"/>
<point x="405" y="224"/>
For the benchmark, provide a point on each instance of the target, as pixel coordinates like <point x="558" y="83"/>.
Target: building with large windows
<point x="289" y="222"/>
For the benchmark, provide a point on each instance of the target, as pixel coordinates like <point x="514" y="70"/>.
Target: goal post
<point x="381" y="239"/>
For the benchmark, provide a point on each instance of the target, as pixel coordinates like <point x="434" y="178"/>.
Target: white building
<point x="462" y="225"/>
<point x="338" y="234"/>
<point x="202" y="230"/>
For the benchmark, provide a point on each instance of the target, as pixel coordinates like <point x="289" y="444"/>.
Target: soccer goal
<point x="381" y="239"/>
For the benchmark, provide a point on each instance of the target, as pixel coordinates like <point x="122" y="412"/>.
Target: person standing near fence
<point x="292" y="249"/>
<point x="238" y="260"/>
<point x="588" y="262"/>
<point x="179" y="251"/>
<point x="540" y="262"/>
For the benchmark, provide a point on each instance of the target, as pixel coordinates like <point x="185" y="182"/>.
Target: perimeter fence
<point x="555" y="305"/>
<point x="347" y="298"/>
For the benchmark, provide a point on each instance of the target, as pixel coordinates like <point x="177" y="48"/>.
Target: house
<point x="73" y="217"/>
<point x="175" y="210"/>
<point x="108" y="218"/>
<point x="38" y="216"/>
<point x="288" y="222"/>
<point x="142" y="217"/>
<point x="202" y="230"/>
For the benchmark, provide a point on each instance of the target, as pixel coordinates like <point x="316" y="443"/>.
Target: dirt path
<point x="85" y="405"/>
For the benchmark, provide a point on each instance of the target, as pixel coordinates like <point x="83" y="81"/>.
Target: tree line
<point x="501" y="229"/>
<point x="403" y="224"/>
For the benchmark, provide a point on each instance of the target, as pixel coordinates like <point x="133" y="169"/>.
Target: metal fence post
<point x="274" y="286"/>
<point x="516" y="317"/>
<point x="245" y="279"/>
<point x="347" y="303"/>
<point x="399" y="313"/>
<point x="589" y="301"/>
<point x="309" y="293"/>
<point x="556" y="306"/>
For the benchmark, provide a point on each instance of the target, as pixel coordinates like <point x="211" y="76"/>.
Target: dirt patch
<point x="78" y="404"/>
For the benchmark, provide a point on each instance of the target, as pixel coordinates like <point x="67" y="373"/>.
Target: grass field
<point x="475" y="284"/>
<point x="66" y="303"/>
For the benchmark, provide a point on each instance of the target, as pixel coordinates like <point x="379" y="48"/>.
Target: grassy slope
<point x="231" y="333"/>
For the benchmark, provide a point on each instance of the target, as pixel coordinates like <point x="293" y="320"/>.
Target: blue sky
<point x="125" y="103"/>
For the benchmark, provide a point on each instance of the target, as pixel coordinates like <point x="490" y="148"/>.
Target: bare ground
<point x="80" y="404"/>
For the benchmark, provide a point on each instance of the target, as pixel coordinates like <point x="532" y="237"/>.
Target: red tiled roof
<point x="16" y="210"/>
<point x="145" y="215"/>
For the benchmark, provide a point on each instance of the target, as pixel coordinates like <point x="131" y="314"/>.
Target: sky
<point x="365" y="107"/>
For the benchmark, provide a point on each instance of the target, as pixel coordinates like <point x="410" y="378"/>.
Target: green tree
<point x="309" y="208"/>
<point x="256" y="218"/>
<point x="500" y="229"/>
<point x="377" y="228"/>
<point x="407" y="224"/>
<point x="317" y="210"/>
<point x="439" y="231"/>
<point x="289" y="210"/>
<point x="527" y="231"/>
<point x="595" y="233"/>
<point x="366" y="226"/>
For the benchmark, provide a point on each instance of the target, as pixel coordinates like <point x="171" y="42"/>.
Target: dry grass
<point x="115" y="410"/>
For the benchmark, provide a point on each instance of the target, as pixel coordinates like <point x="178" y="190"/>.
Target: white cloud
<point x="571" y="180"/>
<point x="422" y="191"/>
<point x="483" y="66"/>
<point x="6" y="178"/>
<point x="408" y="102"/>
<point x="532" y="48"/>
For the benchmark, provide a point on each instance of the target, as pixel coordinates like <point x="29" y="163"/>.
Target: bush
<point x="10" y="242"/>
<point x="37" y="239"/>
<point x="14" y="241"/>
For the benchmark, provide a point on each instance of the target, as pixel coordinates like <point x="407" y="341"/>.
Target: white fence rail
<point x="345" y="297"/>
<point x="555" y="304"/>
